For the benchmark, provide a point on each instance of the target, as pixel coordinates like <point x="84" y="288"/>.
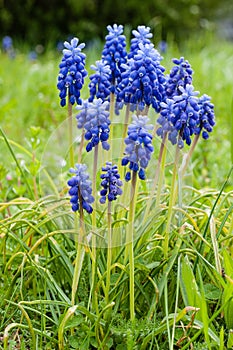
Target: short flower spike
<point x="100" y="85"/>
<point x="138" y="147"/>
<point x="80" y="189"/>
<point x="111" y="183"/>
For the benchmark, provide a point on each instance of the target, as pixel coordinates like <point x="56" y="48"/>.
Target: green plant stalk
<point x="171" y="202"/>
<point x="176" y="303"/>
<point x="25" y="314"/>
<point x="95" y="164"/>
<point x="81" y="147"/>
<point x="70" y="123"/>
<point x="80" y="253"/>
<point x="124" y="132"/>
<point x="129" y="243"/>
<point x="109" y="253"/>
<point x="61" y="328"/>
<point x="158" y="175"/>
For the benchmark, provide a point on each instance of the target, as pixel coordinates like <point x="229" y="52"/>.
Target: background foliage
<point x="41" y="21"/>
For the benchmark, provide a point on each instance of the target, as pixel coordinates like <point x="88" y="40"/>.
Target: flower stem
<point x="109" y="253"/>
<point x="81" y="147"/>
<point x="71" y="147"/>
<point x="129" y="243"/>
<point x="80" y="249"/>
<point x="171" y="202"/>
<point x="158" y="176"/>
<point x="95" y="164"/>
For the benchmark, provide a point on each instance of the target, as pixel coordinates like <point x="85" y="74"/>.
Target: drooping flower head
<point x="94" y="117"/>
<point x="179" y="116"/>
<point x="180" y="75"/>
<point x="206" y="117"/>
<point x="111" y="183"/>
<point x="141" y="35"/>
<point x="143" y="80"/>
<point x="99" y="86"/>
<point x="114" y="52"/>
<point x="138" y="147"/>
<point x="80" y="189"/>
<point x="72" y="72"/>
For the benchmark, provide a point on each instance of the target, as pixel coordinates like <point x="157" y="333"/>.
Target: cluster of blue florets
<point x="80" y="189"/>
<point x="96" y="124"/>
<point x="137" y="79"/>
<point x="72" y="72"/>
<point x="142" y="83"/>
<point x="138" y="147"/>
<point x="114" y="53"/>
<point x="111" y="183"/>
<point x="100" y="85"/>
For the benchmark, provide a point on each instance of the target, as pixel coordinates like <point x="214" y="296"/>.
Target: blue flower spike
<point x="180" y="75"/>
<point x="143" y="80"/>
<point x="111" y="183"/>
<point x="138" y="147"/>
<point x="100" y="85"/>
<point x="72" y="72"/>
<point x="114" y="53"/>
<point x="94" y="118"/>
<point x="179" y="117"/>
<point x="80" y="189"/>
<point x="206" y="117"/>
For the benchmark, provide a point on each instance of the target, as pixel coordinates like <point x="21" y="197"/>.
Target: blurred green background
<point x="43" y="21"/>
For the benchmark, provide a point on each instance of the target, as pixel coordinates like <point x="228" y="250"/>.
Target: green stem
<point x="80" y="250"/>
<point x="171" y="202"/>
<point x="109" y="253"/>
<point x="71" y="147"/>
<point x="81" y="147"/>
<point x="158" y="175"/>
<point x="129" y="242"/>
<point x="94" y="224"/>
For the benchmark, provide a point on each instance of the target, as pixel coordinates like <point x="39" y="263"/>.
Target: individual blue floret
<point x="138" y="147"/>
<point x="111" y="183"/>
<point x="114" y="53"/>
<point x="72" y="72"/>
<point x="100" y="85"/>
<point x="80" y="189"/>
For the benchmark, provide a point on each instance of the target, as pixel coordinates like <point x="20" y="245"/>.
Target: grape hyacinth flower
<point x="7" y="43"/>
<point x="95" y="120"/>
<point x="138" y="147"/>
<point x="143" y="81"/>
<point x="114" y="53"/>
<point x="141" y="35"/>
<point x="80" y="189"/>
<point x="99" y="86"/>
<point x="180" y="116"/>
<point x="111" y="183"/>
<point x="72" y="72"/>
<point x="180" y="75"/>
<point x="206" y="117"/>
